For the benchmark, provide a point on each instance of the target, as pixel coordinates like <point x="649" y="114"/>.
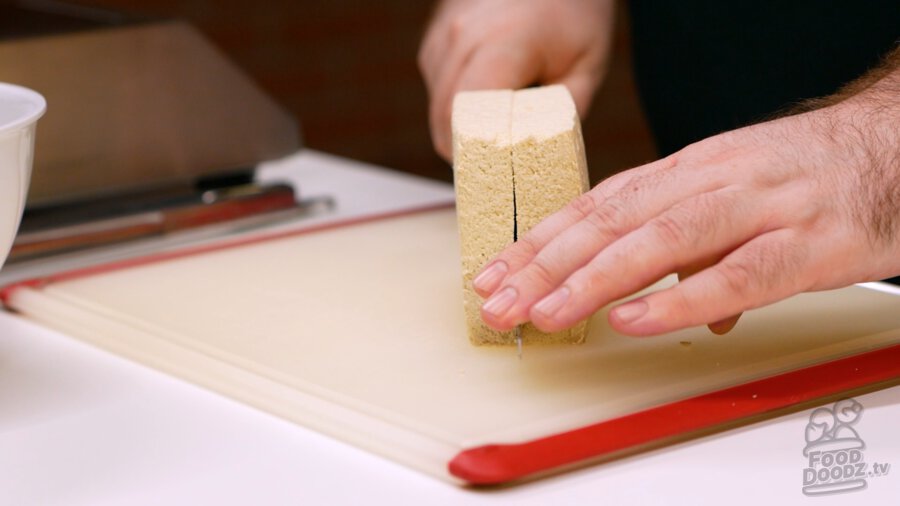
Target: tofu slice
<point x="483" y="177"/>
<point x="518" y="157"/>
<point x="549" y="171"/>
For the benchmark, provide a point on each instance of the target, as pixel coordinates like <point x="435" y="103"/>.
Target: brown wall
<point x="347" y="69"/>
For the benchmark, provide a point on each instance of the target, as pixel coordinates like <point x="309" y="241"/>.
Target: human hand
<point x="802" y="203"/>
<point x="489" y="44"/>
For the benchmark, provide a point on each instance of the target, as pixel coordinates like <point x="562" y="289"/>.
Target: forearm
<point x="865" y="122"/>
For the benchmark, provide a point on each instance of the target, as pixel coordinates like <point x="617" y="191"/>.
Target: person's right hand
<point x="489" y="44"/>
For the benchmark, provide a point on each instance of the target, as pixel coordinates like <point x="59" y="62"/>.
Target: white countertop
<point x="81" y="426"/>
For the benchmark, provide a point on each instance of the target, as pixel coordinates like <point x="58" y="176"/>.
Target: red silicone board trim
<point x="500" y="463"/>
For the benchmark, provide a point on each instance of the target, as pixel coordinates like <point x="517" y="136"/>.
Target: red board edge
<point x="6" y="291"/>
<point x="501" y="463"/>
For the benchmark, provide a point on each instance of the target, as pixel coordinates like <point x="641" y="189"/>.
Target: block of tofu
<point x="518" y="156"/>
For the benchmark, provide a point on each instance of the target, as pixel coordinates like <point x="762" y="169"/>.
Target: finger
<point x="444" y="33"/>
<point x="447" y="52"/>
<point x="488" y="67"/>
<point x="445" y="84"/>
<point x="581" y="86"/>
<point x="701" y="227"/>
<point x="520" y="253"/>
<point x="722" y="326"/>
<point x="581" y="76"/>
<point x="616" y="250"/>
<point x="431" y="52"/>
<point x="582" y="80"/>
<point x="601" y="223"/>
<point x="760" y="272"/>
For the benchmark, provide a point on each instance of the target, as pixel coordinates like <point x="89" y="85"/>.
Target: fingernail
<point x="501" y="301"/>
<point x="489" y="278"/>
<point x="628" y="313"/>
<point x="549" y="305"/>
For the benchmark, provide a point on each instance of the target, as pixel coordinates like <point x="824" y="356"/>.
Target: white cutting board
<point x="358" y="332"/>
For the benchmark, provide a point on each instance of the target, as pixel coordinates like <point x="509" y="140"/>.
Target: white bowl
<point x="20" y="108"/>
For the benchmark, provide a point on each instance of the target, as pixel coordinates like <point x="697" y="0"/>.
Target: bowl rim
<point x="35" y="98"/>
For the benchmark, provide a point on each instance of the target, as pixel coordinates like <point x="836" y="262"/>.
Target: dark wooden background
<point x="347" y="69"/>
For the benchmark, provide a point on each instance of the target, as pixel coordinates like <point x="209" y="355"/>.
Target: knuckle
<point x="706" y="205"/>
<point x="540" y="273"/>
<point x="526" y="247"/>
<point x="669" y="230"/>
<point x="702" y="149"/>
<point x="687" y="224"/>
<point x="584" y="205"/>
<point x="456" y="28"/>
<point x="619" y="180"/>
<point x="738" y="277"/>
<point x="592" y="280"/>
<point x="781" y="263"/>
<point x="679" y="306"/>
<point x="763" y="272"/>
<point x="607" y="218"/>
<point x="692" y="152"/>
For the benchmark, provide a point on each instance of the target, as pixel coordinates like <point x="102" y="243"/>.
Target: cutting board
<point x="357" y="330"/>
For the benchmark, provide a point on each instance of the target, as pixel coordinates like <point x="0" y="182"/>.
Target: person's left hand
<point x="496" y="44"/>
<point x="801" y="203"/>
